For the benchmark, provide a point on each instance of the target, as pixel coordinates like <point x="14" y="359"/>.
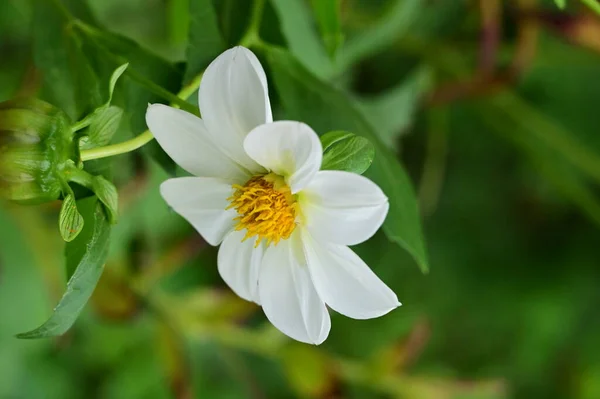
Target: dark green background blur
<point x="501" y="142"/>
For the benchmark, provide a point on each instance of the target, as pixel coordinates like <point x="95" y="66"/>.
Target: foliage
<point x="479" y="124"/>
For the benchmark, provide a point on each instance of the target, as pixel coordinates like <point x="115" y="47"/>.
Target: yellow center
<point x="266" y="208"/>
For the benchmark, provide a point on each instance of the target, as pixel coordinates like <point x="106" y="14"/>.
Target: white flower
<point x="283" y="225"/>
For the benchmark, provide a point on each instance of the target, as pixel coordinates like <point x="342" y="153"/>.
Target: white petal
<point x="184" y="137"/>
<point x="234" y="99"/>
<point x="239" y="264"/>
<point x="202" y="202"/>
<point x="343" y="207"/>
<point x="290" y="149"/>
<point x="288" y="296"/>
<point x="345" y="282"/>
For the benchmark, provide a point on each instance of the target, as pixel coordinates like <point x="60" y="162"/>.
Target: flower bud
<point x="36" y="140"/>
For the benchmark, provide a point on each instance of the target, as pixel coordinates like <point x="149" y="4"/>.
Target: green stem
<point x="187" y="91"/>
<point x="116" y="149"/>
<point x="177" y="100"/>
<point x="82" y="124"/>
<point x="73" y="174"/>
<point x="63" y="10"/>
<point x="250" y="39"/>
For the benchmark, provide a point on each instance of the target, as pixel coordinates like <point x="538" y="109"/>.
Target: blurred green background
<point x="492" y="107"/>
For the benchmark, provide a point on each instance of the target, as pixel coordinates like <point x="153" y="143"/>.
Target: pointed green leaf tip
<point x="70" y="221"/>
<point x="86" y="256"/>
<point x="113" y="80"/>
<point x="346" y="151"/>
<point x="105" y="120"/>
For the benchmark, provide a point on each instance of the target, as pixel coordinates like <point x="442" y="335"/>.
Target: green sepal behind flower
<point x="36" y="141"/>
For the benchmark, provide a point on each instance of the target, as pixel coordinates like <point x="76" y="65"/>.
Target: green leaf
<point x="561" y="4"/>
<point x="177" y="15"/>
<point x="144" y="63"/>
<point x="233" y="16"/>
<point x="70" y="221"/>
<point x="393" y="111"/>
<point x="69" y="81"/>
<point x="99" y="185"/>
<point x="331" y="138"/>
<point x="301" y="36"/>
<point x="113" y="80"/>
<point x="205" y="42"/>
<point x="86" y="82"/>
<point x="346" y="151"/>
<point x="395" y="22"/>
<point x="565" y="178"/>
<point x="327" y="13"/>
<point x="137" y="98"/>
<point x="306" y="369"/>
<point x="548" y="131"/>
<point x="85" y="256"/>
<point x="307" y="99"/>
<point x="592" y="5"/>
<point x="108" y="195"/>
<point x="104" y="124"/>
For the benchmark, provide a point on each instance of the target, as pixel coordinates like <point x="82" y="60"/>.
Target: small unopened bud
<point x="36" y="140"/>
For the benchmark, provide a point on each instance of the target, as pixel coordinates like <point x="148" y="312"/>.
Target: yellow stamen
<point x="266" y="208"/>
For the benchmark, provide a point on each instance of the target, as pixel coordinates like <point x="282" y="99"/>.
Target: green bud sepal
<point x="36" y="141"/>
<point x="39" y="157"/>
<point x="70" y="221"/>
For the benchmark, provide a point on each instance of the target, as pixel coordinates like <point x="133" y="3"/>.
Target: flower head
<point x="284" y="226"/>
<point x="36" y="141"/>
